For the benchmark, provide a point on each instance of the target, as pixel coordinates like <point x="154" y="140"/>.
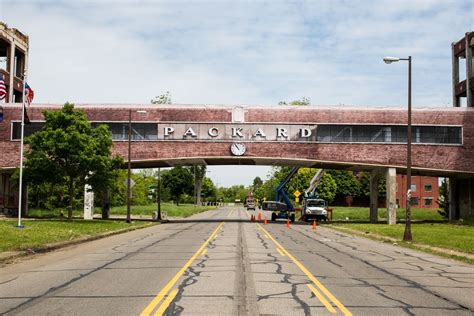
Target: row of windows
<point x="140" y="131"/>
<point x="388" y="134"/>
<point x="325" y="133"/>
<point x="427" y="187"/>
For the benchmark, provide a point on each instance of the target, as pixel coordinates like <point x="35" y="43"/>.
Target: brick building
<point x="424" y="191"/>
<point x="13" y="61"/>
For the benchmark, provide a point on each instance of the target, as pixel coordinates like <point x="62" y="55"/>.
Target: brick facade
<point x="424" y="191"/>
<point x="427" y="159"/>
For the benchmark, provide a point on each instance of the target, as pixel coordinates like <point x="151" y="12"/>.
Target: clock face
<point x="237" y="149"/>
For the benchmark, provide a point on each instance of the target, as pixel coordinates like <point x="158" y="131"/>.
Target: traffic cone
<point x="265" y="221"/>
<point x="259" y="216"/>
<point x="288" y="223"/>
<point x="314" y="225"/>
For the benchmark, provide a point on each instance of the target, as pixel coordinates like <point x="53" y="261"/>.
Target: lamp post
<point x="407" y="235"/>
<point x="129" y="179"/>
<point x="158" y="195"/>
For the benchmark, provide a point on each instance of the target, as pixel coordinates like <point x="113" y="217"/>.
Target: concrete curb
<point x="416" y="246"/>
<point x="8" y="256"/>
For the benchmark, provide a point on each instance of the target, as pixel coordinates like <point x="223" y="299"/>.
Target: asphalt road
<point x="220" y="263"/>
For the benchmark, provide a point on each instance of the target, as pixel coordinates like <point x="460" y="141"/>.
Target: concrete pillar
<point x="374" y="195"/>
<point x="455" y="65"/>
<point x="453" y="199"/>
<point x="469" y="74"/>
<point x="88" y="202"/>
<point x="465" y="191"/>
<point x="12" y="72"/>
<point x="391" y="185"/>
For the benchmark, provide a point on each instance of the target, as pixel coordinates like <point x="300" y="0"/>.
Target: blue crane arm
<point x="280" y="190"/>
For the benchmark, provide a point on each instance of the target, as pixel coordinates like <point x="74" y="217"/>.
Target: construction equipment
<point x="314" y="208"/>
<point x="282" y="209"/>
<point x="250" y="202"/>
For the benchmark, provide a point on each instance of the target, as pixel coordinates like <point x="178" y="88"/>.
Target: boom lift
<point x="313" y="207"/>
<point x="282" y="210"/>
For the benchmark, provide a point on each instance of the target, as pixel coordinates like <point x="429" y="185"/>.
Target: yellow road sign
<point x="297" y="193"/>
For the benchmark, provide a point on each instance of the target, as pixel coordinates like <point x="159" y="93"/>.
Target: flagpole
<point x="20" y="189"/>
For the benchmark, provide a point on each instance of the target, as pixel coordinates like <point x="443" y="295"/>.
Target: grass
<point x="362" y="214"/>
<point x="430" y="231"/>
<point x="173" y="210"/>
<point x="444" y="235"/>
<point x="183" y="210"/>
<point x="38" y="233"/>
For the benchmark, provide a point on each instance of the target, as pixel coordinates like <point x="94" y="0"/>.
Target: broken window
<point x="4" y="47"/>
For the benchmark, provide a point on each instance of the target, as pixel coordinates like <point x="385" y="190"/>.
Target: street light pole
<point x="407" y="234"/>
<point x="129" y="177"/>
<point x="158" y="195"/>
<point x="129" y="165"/>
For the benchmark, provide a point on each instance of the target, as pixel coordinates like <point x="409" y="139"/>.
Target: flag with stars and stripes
<point x="29" y="94"/>
<point x="3" y="88"/>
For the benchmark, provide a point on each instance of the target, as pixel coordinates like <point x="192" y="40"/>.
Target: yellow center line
<point x="322" y="299"/>
<point x="171" y="282"/>
<point x="166" y="302"/>
<point x="280" y="252"/>
<point x="323" y="289"/>
<point x="203" y="253"/>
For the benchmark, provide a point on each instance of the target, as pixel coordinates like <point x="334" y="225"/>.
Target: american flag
<point x="3" y="88"/>
<point x="29" y="94"/>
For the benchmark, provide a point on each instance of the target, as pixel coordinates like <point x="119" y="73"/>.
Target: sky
<point x="240" y="52"/>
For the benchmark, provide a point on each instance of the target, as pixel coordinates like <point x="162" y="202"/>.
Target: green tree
<point x="303" y="101"/>
<point x="164" y="98"/>
<point x="209" y="190"/>
<point x="364" y="181"/>
<point x="257" y="183"/>
<point x="179" y="181"/>
<point x="347" y="184"/>
<point x="69" y="152"/>
<point x="199" y="173"/>
<point x="327" y="188"/>
<point x="141" y="191"/>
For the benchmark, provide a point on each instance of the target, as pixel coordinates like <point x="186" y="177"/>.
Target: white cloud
<point x="239" y="51"/>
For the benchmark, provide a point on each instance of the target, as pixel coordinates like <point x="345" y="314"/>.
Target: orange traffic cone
<point x="259" y="216"/>
<point x="288" y="223"/>
<point x="265" y="221"/>
<point x="314" y="225"/>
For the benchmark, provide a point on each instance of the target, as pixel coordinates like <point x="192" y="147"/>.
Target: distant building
<point x="463" y="71"/>
<point x="13" y="61"/>
<point x="424" y="191"/>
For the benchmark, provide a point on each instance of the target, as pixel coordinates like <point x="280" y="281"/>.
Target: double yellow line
<point x="318" y="284"/>
<point x="149" y="309"/>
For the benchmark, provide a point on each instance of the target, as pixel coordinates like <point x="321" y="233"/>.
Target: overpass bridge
<point x="338" y="137"/>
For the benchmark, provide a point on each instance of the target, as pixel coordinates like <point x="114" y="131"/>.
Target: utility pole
<point x="158" y="195"/>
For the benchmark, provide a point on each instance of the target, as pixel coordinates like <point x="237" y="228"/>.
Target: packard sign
<point x="237" y="132"/>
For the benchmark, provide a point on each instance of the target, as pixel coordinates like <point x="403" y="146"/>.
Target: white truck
<point x="314" y="208"/>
